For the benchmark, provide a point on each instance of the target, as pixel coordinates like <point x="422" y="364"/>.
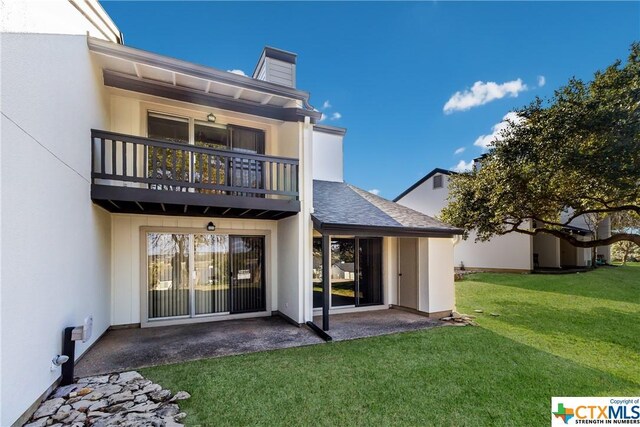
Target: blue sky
<point x="389" y="68"/>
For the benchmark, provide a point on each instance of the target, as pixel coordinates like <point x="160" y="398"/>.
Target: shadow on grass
<point x="601" y="323"/>
<point x="444" y="376"/>
<point x="623" y="283"/>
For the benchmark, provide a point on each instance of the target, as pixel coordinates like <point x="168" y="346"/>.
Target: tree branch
<point x="629" y="237"/>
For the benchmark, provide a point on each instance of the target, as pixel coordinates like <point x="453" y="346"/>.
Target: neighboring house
<point x="509" y="252"/>
<point x="146" y="191"/>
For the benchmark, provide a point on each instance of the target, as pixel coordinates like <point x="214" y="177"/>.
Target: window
<point x="178" y="165"/>
<point x="356" y="274"/>
<point x="205" y="134"/>
<point x="191" y="275"/>
<point x="437" y="181"/>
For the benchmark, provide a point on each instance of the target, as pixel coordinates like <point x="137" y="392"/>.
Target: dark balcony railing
<point x="137" y="163"/>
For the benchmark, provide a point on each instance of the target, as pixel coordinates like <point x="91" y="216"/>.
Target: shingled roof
<point x="343" y="208"/>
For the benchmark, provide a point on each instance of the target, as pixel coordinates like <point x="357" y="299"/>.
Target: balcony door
<point x="198" y="167"/>
<point x="196" y="275"/>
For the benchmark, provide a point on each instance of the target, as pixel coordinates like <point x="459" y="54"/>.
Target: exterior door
<point x="247" y="274"/>
<point x="408" y="273"/>
<point x="194" y="275"/>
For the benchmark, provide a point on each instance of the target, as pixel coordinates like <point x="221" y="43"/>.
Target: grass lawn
<point x="557" y="335"/>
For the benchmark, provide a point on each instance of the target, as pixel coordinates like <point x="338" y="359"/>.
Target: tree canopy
<point x="574" y="155"/>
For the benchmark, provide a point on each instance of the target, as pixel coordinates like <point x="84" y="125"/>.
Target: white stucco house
<point x="144" y="191"/>
<point x="510" y="252"/>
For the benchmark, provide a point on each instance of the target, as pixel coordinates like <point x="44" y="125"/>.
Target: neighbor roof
<point x="423" y="179"/>
<point x="341" y="208"/>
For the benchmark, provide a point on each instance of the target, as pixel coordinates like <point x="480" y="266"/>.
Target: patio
<point x="126" y="349"/>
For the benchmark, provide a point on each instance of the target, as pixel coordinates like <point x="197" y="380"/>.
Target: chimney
<point x="276" y="66"/>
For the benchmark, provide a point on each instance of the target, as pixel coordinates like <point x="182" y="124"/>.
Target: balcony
<point x="131" y="174"/>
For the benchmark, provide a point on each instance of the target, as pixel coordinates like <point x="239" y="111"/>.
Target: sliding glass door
<point x="247" y="267"/>
<point x="168" y="275"/>
<point x="356" y="272"/>
<point x="211" y="273"/>
<point x="192" y="275"/>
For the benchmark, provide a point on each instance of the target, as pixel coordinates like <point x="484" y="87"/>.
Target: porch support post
<point x="326" y="275"/>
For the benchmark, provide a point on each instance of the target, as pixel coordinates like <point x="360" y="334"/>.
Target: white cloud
<point x="374" y="191"/>
<point x="482" y="93"/>
<point x="336" y="116"/>
<point x="238" y="72"/>
<point x="541" y="81"/>
<point x="323" y="117"/>
<point x="484" y="141"/>
<point x="463" y="166"/>
<point x="326" y="105"/>
<point x="460" y="150"/>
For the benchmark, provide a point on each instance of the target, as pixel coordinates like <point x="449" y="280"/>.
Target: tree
<point x="625" y="251"/>
<point x="576" y="155"/>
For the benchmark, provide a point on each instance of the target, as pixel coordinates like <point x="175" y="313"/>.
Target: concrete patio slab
<point x="348" y="326"/>
<point x="127" y="349"/>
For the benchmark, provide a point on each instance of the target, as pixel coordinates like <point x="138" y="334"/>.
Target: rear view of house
<point x="144" y="191"/>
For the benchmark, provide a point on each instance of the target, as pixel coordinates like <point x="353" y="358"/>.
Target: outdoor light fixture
<point x="211" y="227"/>
<point x="211" y="118"/>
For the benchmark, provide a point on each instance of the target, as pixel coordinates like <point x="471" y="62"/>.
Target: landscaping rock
<point x="48" y="407"/>
<point x="82" y="405"/>
<point x="125" y="396"/>
<point x="168" y="410"/>
<point x="151" y="388"/>
<point x="102" y="379"/>
<point x="181" y="395"/>
<point x="65" y="390"/>
<point x="495" y="314"/>
<point x="141" y="398"/>
<point x="125" y="377"/>
<point x="108" y="389"/>
<point x="98" y="405"/>
<point x="125" y="399"/>
<point x="42" y="422"/>
<point x="160" y="395"/>
<point x="479" y="311"/>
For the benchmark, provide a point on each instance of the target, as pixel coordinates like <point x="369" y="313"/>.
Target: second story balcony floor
<point x="221" y="173"/>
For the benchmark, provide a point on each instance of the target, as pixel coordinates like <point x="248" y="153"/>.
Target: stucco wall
<point x="390" y="269"/>
<point x="327" y="157"/>
<point x="548" y="249"/>
<point x="55" y="242"/>
<point x="73" y="17"/>
<point x="436" y="289"/>
<point x="427" y="199"/>
<point x="127" y="255"/>
<point x="289" y="268"/>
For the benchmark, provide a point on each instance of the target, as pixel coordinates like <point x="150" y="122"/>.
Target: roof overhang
<point x="377" y="231"/>
<point x="331" y="130"/>
<point x="141" y="71"/>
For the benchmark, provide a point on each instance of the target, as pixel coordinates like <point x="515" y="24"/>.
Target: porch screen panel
<point x="168" y="275"/>
<point x="247" y="274"/>
<point x="370" y="271"/>
<point x="211" y="275"/>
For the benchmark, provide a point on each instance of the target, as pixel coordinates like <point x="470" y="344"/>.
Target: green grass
<point x="560" y="335"/>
